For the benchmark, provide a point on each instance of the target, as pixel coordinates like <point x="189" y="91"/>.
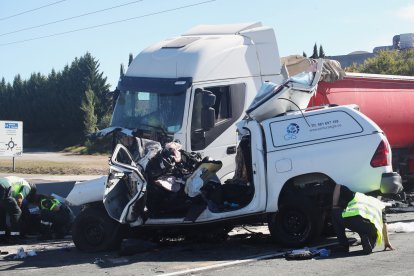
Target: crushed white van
<point x="291" y="158"/>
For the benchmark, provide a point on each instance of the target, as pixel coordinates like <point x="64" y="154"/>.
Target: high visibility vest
<point x="369" y="208"/>
<point x="49" y="204"/>
<point x="19" y="186"/>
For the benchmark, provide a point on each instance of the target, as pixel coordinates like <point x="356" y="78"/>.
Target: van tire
<point x="297" y="222"/>
<point x="94" y="231"/>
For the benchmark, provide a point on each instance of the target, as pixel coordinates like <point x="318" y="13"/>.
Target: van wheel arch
<point x="303" y="204"/>
<point x="94" y="231"/>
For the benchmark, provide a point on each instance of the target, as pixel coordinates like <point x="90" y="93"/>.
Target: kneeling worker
<point x="362" y="214"/>
<point x="21" y="189"/>
<point x="8" y="206"/>
<point x="56" y="214"/>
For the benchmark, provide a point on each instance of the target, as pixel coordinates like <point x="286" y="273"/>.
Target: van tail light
<point x="382" y="156"/>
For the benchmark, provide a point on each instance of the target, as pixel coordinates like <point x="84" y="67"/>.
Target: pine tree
<point x="88" y="107"/>
<point x="93" y="79"/>
<point x="321" y="52"/>
<point x="121" y="71"/>
<point x="131" y="58"/>
<point x="315" y="52"/>
<point x="3" y="99"/>
<point x="304" y="54"/>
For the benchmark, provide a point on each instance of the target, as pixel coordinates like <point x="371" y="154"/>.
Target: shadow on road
<point x="64" y="254"/>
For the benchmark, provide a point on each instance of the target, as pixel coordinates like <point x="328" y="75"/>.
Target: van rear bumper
<point x="391" y="183"/>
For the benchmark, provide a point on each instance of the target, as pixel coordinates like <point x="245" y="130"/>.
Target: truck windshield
<point x="149" y="103"/>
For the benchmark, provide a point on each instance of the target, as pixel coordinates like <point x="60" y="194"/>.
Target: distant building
<point x="399" y="42"/>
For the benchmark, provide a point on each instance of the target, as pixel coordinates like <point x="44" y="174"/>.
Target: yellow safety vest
<point x="369" y="208"/>
<point x="19" y="186"/>
<point x="49" y="204"/>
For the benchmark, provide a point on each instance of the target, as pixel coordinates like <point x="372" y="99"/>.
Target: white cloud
<point x="406" y="13"/>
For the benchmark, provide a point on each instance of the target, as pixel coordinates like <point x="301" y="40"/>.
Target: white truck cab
<point x="160" y="94"/>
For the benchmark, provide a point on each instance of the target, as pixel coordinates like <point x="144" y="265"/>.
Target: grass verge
<point x="54" y="168"/>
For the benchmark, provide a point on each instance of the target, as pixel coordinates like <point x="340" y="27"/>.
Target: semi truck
<point x="192" y="90"/>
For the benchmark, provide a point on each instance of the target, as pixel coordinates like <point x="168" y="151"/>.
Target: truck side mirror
<point x="114" y="95"/>
<point x="207" y="118"/>
<point x="208" y="114"/>
<point x="208" y="99"/>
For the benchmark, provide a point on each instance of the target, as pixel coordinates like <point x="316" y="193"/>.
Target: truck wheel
<point x="296" y="223"/>
<point x="94" y="230"/>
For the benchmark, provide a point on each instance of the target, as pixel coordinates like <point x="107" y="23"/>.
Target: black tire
<point x="297" y="223"/>
<point x="94" y="231"/>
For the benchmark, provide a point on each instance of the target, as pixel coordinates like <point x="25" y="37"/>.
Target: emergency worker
<point x="21" y="189"/>
<point x="362" y="214"/>
<point x="8" y="206"/>
<point x="56" y="217"/>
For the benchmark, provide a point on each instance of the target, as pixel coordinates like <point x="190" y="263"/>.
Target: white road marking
<point x="237" y="262"/>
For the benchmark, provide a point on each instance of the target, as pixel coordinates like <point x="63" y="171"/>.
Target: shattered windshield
<point x="150" y="103"/>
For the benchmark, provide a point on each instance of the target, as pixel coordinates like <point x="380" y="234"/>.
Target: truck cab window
<point x="228" y="108"/>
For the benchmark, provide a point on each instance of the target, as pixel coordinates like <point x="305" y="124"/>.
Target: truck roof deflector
<point x="226" y="29"/>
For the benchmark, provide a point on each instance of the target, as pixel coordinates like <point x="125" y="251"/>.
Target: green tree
<point x="121" y="71"/>
<point x="91" y="77"/>
<point x="315" y="52"/>
<point x="88" y="107"/>
<point x="304" y="54"/>
<point x="52" y="104"/>
<point x="3" y="98"/>
<point x="130" y="59"/>
<point x="387" y="62"/>
<point x="321" y="52"/>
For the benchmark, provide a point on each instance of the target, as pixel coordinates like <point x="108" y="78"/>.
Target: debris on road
<point x="402" y="204"/>
<point x="306" y="253"/>
<point x="21" y="254"/>
<point x="401" y="227"/>
<point x="98" y="261"/>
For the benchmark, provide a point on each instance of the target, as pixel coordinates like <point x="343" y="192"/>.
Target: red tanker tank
<point x="387" y="100"/>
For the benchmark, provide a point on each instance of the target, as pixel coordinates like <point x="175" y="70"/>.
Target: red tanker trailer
<point x="388" y="101"/>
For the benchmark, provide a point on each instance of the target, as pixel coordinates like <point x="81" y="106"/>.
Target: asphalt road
<point x="243" y="253"/>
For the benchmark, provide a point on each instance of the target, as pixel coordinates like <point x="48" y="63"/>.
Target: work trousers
<point x="61" y="220"/>
<point x="355" y="223"/>
<point x="8" y="206"/>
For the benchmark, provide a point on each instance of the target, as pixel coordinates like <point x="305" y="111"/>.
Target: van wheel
<point x="94" y="230"/>
<point x="296" y="223"/>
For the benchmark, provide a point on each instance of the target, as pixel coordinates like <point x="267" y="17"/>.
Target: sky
<point x="38" y="36"/>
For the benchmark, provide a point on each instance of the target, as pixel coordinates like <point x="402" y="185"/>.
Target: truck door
<point x="220" y="141"/>
<point x="125" y="191"/>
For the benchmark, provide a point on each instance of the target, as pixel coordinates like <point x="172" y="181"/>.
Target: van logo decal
<point x="291" y="131"/>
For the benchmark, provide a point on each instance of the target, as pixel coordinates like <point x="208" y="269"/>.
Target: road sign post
<point x="11" y="139"/>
